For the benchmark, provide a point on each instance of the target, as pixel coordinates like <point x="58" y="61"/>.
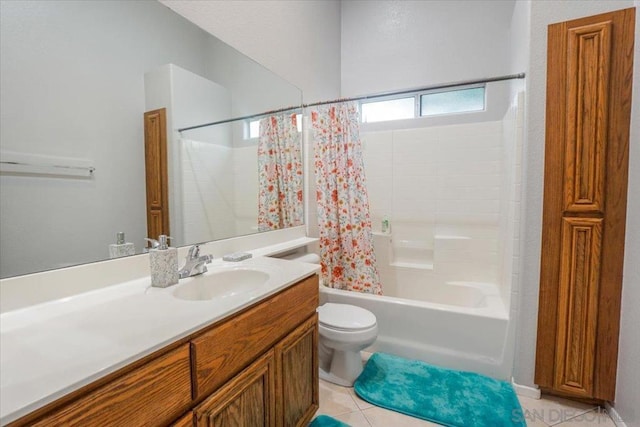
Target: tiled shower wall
<point x="509" y="235"/>
<point x="207" y="193"/>
<point x="219" y="185"/>
<point x="245" y="182"/>
<point x="449" y="192"/>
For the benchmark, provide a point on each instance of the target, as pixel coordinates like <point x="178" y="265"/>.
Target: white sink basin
<point x="221" y="284"/>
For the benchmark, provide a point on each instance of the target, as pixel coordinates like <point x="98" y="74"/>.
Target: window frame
<point x="417" y="101"/>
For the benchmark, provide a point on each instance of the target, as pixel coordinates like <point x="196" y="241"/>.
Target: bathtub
<point x="464" y="326"/>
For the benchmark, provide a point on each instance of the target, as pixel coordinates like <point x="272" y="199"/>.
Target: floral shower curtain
<point x="346" y="243"/>
<point x="280" y="179"/>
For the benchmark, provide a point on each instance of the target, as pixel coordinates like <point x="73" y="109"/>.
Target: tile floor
<point x="343" y="404"/>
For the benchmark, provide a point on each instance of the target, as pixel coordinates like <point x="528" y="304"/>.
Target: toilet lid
<point x="345" y="317"/>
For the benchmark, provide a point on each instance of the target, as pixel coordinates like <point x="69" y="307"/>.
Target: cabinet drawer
<point x="155" y="394"/>
<point x="220" y="353"/>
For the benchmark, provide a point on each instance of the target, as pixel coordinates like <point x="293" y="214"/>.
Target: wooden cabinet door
<point x="246" y="400"/>
<point x="589" y="79"/>
<point x="156" y="160"/>
<point x="297" y="367"/>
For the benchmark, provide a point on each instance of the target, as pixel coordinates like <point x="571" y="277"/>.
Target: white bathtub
<point x="463" y="326"/>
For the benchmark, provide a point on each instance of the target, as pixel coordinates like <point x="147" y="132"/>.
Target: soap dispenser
<point x="120" y="248"/>
<point x="163" y="261"/>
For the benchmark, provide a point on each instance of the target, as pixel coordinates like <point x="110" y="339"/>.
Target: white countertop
<point x="51" y="349"/>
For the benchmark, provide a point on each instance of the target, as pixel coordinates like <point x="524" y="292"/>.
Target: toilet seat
<point x="345" y="317"/>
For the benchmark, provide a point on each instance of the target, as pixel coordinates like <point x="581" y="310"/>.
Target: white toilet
<point x="345" y="330"/>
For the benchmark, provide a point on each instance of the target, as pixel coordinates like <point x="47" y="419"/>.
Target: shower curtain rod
<point x="421" y="89"/>
<point x="252" y="116"/>
<point x="364" y="97"/>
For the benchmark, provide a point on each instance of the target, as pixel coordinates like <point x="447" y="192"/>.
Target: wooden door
<point x="589" y="80"/>
<point x="297" y="375"/>
<point x="246" y="400"/>
<point x="155" y="147"/>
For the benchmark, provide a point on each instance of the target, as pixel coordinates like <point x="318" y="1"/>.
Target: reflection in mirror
<point x="280" y="173"/>
<point x="76" y="78"/>
<point x="228" y="153"/>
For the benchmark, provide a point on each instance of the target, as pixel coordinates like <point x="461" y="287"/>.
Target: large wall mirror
<point x="76" y="80"/>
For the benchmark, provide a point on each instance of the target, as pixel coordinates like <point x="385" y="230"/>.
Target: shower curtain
<point x="280" y="179"/>
<point x="346" y="244"/>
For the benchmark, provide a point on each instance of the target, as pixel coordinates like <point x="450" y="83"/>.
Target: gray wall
<point x="389" y="45"/>
<point x="88" y="100"/>
<point x="298" y="40"/>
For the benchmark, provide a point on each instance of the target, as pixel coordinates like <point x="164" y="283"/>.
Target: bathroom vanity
<point x="254" y="365"/>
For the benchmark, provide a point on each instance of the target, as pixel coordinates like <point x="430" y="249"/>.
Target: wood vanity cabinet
<point x="278" y="389"/>
<point x="258" y="367"/>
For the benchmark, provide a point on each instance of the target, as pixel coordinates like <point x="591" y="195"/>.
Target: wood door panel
<point x="621" y="83"/>
<point x="248" y="409"/>
<point x="297" y="367"/>
<point x="155" y="156"/>
<point x="246" y="400"/>
<point x="155" y="223"/>
<point x="588" y="58"/>
<point x="577" y="310"/>
<point x="156" y="172"/>
<point x="553" y="205"/>
<point x="589" y="81"/>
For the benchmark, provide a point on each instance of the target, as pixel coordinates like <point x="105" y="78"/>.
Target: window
<point x="392" y="109"/>
<point x="424" y="103"/>
<point x="452" y="101"/>
<point x="253" y="127"/>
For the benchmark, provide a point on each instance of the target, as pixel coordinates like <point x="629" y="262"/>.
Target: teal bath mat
<point x="326" y="421"/>
<point x="444" y="396"/>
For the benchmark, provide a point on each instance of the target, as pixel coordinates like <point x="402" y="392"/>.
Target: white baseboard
<point x="534" y="393"/>
<point x="617" y="420"/>
<point x="525" y="390"/>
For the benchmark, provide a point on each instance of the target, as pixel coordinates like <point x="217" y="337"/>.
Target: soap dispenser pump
<point x="163" y="261"/>
<point x="121" y="248"/>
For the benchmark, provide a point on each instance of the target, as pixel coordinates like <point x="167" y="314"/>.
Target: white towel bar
<point x="36" y="164"/>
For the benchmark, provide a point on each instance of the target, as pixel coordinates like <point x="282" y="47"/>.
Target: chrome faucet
<point x="194" y="264"/>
